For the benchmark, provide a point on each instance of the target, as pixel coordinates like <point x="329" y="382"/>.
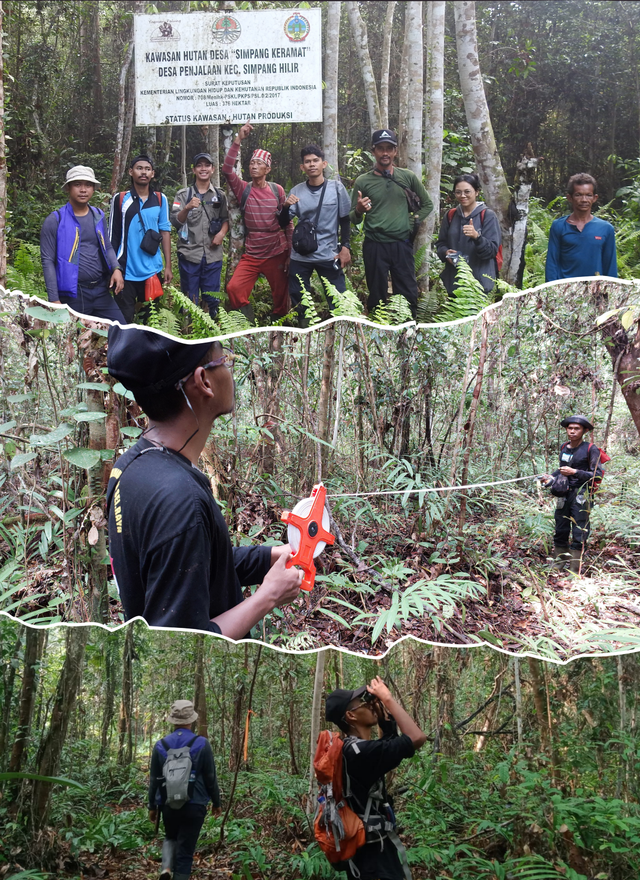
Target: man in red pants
<point x="267" y="246"/>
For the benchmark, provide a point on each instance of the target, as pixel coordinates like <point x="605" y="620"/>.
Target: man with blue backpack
<point x="182" y="782"/>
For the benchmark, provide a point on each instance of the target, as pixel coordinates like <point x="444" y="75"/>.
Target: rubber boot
<point x="577" y="559"/>
<point x="168" y="855"/>
<point x="248" y="312"/>
<point x="181" y="876"/>
<point x="561" y="556"/>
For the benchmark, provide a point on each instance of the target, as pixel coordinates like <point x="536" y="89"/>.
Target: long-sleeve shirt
<point x="389" y="218"/>
<point x="479" y="252"/>
<point x="264" y="237"/>
<point x="90" y="263"/>
<point x="585" y="459"/>
<point x="205" y="788"/>
<point x="573" y="254"/>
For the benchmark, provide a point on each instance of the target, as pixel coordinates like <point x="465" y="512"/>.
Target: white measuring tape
<point x="435" y="488"/>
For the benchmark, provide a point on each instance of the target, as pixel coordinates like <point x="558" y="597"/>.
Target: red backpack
<point x="499" y="257"/>
<point x="337" y="828"/>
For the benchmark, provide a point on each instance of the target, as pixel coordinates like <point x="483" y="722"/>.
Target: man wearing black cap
<point x="393" y="203"/>
<point x="200" y="215"/>
<point x="167" y="774"/>
<point x="171" y="553"/>
<point x="140" y="231"/>
<point x="573" y="484"/>
<point x="366" y="761"/>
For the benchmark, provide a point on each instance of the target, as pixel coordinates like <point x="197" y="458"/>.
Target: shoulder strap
<point x="244" y="197"/>
<point x="450" y="214"/>
<point x="482" y="213"/>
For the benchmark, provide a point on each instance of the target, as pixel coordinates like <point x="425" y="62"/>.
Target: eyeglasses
<point x="227" y="356"/>
<point x="463" y="192"/>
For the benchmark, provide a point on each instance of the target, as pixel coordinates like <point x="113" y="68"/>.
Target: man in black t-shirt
<point x="367" y="761"/>
<point x="573" y="484"/>
<point x="170" y="549"/>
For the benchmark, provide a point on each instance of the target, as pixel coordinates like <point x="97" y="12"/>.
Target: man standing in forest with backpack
<point x="393" y="203"/>
<point x="200" y="215"/>
<point x="78" y="260"/>
<point x="266" y="246"/>
<point x="321" y="240"/>
<point x="138" y="225"/>
<point x="182" y="781"/>
<point x="573" y="484"/>
<point x="366" y="761"/>
<point x="581" y="244"/>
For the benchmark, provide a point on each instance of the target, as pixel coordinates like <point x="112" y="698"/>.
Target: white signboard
<point x="203" y="67"/>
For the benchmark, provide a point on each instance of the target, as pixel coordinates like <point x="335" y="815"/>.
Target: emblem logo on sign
<point x="165" y="32"/>
<point x="297" y="28"/>
<point x="226" y="29"/>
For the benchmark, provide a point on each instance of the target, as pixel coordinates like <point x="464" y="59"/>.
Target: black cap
<point x="141" y="157"/>
<point x="206" y="156"/>
<point x="142" y="360"/>
<point x="337" y="704"/>
<point x="577" y="420"/>
<point x="384" y="135"/>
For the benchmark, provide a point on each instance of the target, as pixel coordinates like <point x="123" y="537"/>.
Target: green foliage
<point x="469" y="297"/>
<point x="306" y="301"/>
<point x="26" y="272"/>
<point x="396" y="311"/>
<point x="346" y="304"/>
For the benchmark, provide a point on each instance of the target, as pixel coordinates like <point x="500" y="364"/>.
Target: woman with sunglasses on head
<point x="471" y="231"/>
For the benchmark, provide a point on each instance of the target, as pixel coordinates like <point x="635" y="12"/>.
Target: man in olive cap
<point x="366" y="761"/>
<point x="182" y="781"/>
<point x="171" y="553"/>
<point x="78" y="261"/>
<point x="573" y="484"/>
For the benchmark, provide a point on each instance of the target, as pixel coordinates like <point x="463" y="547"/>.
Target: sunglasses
<point x="227" y="356"/>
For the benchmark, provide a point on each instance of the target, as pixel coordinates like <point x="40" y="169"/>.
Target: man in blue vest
<point x="182" y="823"/>
<point x="78" y="261"/>
<point x="581" y="244"/>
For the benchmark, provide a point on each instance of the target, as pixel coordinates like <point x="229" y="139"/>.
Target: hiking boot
<point x="248" y="312"/>
<point x="577" y="559"/>
<point x="561" y="556"/>
<point x="168" y="855"/>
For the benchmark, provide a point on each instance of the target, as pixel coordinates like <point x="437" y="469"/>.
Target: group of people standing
<point x="84" y="262"/>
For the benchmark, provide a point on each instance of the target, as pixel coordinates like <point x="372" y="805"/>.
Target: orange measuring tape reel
<point x="308" y="532"/>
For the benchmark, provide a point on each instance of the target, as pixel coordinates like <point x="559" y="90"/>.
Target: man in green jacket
<point x="393" y="203"/>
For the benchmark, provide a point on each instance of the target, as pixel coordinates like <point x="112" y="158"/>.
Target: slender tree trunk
<point x="471" y="421"/>
<point x="109" y="697"/>
<point x="316" y="705"/>
<point x="434" y="114"/>
<point x="361" y="41"/>
<point x="8" y="681"/>
<point x="236" y="226"/>
<point x="445" y="741"/>
<point x="336" y="423"/>
<point x="200" y="698"/>
<point x="494" y="183"/>
<point x="125" y="739"/>
<point x="213" y="146"/>
<point x="48" y="760"/>
<point x="415" y="67"/>
<point x="326" y="388"/>
<point x="526" y="172"/>
<point x="128" y="121"/>
<point x="403" y="95"/>
<point x="386" y="63"/>
<point x="34" y="642"/>
<point x="167" y="132"/>
<point x="118" y="170"/>
<point x="516" y="677"/>
<point x="330" y="94"/>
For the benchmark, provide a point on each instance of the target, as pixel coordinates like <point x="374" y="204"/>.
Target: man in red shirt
<point x="267" y="246"/>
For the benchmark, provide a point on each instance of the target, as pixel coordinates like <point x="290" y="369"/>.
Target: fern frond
<point x="469" y="296"/>
<point x="232" y="322"/>
<point x="345" y="304"/>
<point x="202" y="325"/>
<point x="396" y="311"/>
<point x="307" y="303"/>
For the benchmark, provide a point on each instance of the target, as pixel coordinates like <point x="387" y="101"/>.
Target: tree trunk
<point x="316" y="720"/>
<point x="415" y="102"/>
<point x="540" y="700"/>
<point x="494" y="183"/>
<point x="386" y="63"/>
<point x="3" y="174"/>
<point x="361" y="41"/>
<point x="48" y="760"/>
<point x="526" y="172"/>
<point x="434" y="114"/>
<point x="403" y="95"/>
<point x="8" y="681"/>
<point x="330" y="94"/>
<point x="213" y="147"/>
<point x="118" y="170"/>
<point x="445" y="742"/>
<point x="200" y="692"/>
<point x="125" y="728"/>
<point x="471" y="421"/>
<point x="624" y="351"/>
<point x="336" y="424"/>
<point x="236" y="226"/>
<point x="109" y="697"/>
<point x="34" y="642"/>
<point x="326" y="388"/>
